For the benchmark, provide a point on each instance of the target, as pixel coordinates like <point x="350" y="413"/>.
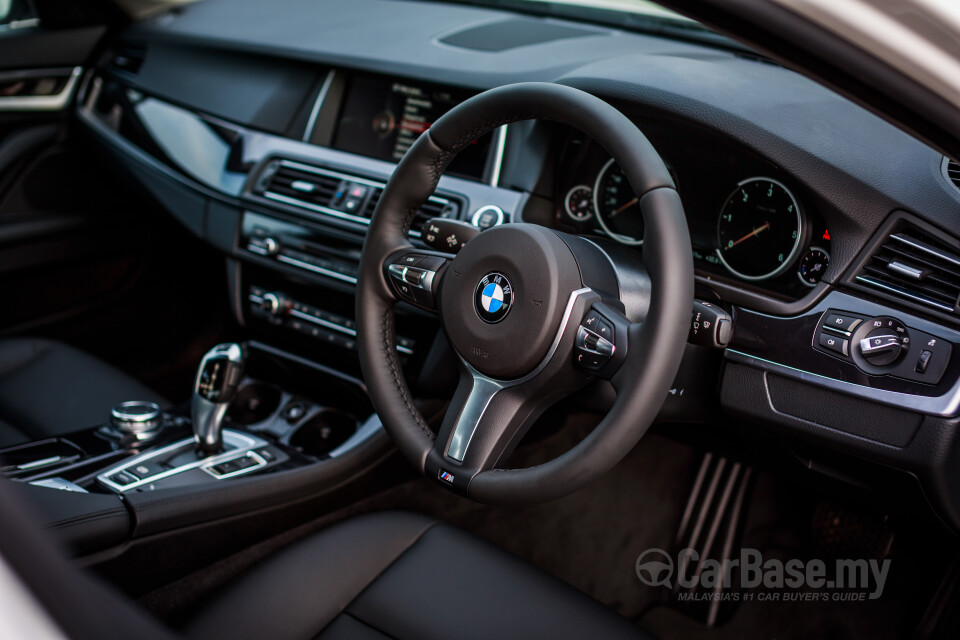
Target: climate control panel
<point x="883" y="346"/>
<point x="282" y="311"/>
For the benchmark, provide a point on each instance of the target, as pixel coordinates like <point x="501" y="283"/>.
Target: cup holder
<point x="255" y="403"/>
<point x="324" y="432"/>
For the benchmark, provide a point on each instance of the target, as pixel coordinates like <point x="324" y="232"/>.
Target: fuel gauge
<point x="813" y="265"/>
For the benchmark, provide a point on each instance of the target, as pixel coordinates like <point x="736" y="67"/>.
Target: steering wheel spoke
<point x="487" y="418"/>
<point x="414" y="276"/>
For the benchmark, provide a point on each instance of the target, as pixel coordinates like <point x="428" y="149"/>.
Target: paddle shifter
<point x="215" y="387"/>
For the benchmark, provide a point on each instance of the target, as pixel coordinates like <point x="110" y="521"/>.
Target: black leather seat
<point x="48" y="388"/>
<point x="404" y="576"/>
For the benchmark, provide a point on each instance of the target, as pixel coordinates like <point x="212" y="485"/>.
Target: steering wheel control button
<point x="493" y="298"/>
<point x="710" y="326"/>
<point x="410" y="259"/>
<point x="834" y="343"/>
<point x="841" y="322"/>
<point x="447" y="235"/>
<point x="599" y="325"/>
<point x="413" y="278"/>
<point x="590" y="343"/>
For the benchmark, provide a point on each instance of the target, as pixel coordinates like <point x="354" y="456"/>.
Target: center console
<point x="257" y="414"/>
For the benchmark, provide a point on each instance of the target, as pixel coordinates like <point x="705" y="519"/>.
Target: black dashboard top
<point x="859" y="166"/>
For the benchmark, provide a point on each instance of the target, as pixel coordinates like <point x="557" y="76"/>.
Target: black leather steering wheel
<point x="534" y="314"/>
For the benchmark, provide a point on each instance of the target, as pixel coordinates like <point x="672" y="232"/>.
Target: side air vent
<point x="338" y="195"/>
<point x="916" y="266"/>
<point x="951" y="171"/>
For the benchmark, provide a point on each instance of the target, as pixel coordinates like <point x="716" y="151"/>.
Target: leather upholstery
<point x="48" y="388"/>
<point x="404" y="576"/>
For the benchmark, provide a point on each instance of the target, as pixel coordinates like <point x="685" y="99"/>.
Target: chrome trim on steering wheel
<point x="485" y="388"/>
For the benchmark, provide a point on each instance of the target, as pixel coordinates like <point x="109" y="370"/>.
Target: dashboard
<point x="274" y="145"/>
<point x="750" y="223"/>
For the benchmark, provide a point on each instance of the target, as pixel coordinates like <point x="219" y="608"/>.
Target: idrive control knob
<point x="136" y="418"/>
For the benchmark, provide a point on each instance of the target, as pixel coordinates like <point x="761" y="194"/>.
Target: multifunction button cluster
<point x="883" y="346"/>
<point x="596" y="342"/>
<point x="413" y="277"/>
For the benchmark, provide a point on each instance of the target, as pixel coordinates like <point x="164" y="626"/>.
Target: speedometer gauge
<point x="760" y="229"/>
<point x="617" y="208"/>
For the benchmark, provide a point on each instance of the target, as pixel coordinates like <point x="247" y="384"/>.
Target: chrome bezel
<point x="798" y="242"/>
<point x="566" y="203"/>
<point x="622" y="239"/>
<point x="810" y="249"/>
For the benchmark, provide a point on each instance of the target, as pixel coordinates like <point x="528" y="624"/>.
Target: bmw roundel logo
<point x="494" y="297"/>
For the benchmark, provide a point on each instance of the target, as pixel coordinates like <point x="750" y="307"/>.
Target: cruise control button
<point x="841" y="322"/>
<point x="835" y="343"/>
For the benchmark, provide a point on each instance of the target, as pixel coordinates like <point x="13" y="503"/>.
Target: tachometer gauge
<point x="760" y="229"/>
<point x="617" y="208"/>
<point x="579" y="203"/>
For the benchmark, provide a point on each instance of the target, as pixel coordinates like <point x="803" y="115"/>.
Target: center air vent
<point x="323" y="192"/>
<point x="916" y="266"/>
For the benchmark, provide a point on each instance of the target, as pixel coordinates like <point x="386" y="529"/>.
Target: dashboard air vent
<point x="951" y="170"/>
<point x="337" y="195"/>
<point x="917" y="266"/>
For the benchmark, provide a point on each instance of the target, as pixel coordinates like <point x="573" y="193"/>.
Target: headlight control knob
<point x="881" y="341"/>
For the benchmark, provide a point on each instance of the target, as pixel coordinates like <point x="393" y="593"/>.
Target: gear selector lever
<point x="214" y="389"/>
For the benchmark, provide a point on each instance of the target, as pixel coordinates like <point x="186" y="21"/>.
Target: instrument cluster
<point x="748" y="223"/>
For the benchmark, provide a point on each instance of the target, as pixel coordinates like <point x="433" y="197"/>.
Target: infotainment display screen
<point x="382" y="117"/>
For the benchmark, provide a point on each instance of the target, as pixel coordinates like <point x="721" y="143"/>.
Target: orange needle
<point x="625" y="207"/>
<point x="750" y="235"/>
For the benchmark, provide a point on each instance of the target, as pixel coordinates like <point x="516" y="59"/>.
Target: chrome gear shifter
<point x="214" y="389"/>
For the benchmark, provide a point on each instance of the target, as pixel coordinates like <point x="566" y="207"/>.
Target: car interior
<point x="434" y="319"/>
